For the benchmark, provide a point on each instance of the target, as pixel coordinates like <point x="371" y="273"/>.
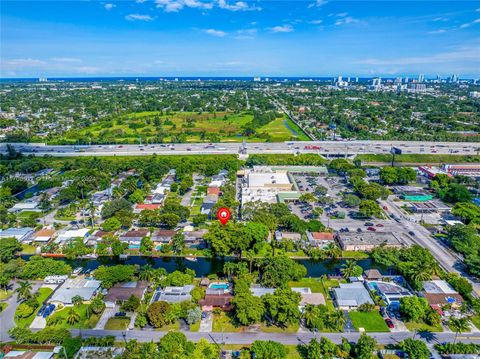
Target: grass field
<point x="195" y="127"/>
<point x="28" y="249"/>
<point x="117" y="323"/>
<point x="5" y="294"/>
<point x="292" y="351"/>
<point x="419" y="158"/>
<point x="423" y="327"/>
<point x="43" y="294"/>
<point x="313" y="283"/>
<point x="87" y="320"/>
<point x="222" y="322"/>
<point x="475" y="320"/>
<point x="371" y="322"/>
<point x="291" y="328"/>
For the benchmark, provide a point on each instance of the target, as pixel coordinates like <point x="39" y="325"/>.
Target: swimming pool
<point x="134" y="246"/>
<point x="223" y="286"/>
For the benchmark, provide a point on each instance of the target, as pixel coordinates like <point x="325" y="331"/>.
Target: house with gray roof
<point x="351" y="295"/>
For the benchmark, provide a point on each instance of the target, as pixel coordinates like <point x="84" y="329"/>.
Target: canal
<point x="206" y="266"/>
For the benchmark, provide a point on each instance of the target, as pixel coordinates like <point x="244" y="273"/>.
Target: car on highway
<point x="379" y="225"/>
<point x="412" y="233"/>
<point x="120" y="146"/>
<point x="372" y="229"/>
<point x="389" y="323"/>
<point x="368" y="224"/>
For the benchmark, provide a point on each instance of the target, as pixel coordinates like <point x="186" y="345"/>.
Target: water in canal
<point x="205" y="266"/>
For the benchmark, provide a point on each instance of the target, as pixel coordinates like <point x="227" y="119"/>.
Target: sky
<point x="239" y="38"/>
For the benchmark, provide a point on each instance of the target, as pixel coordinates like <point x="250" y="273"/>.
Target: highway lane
<point x="285" y="338"/>
<point x="325" y="148"/>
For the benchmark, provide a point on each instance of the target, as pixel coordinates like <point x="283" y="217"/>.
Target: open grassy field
<point x="191" y="127"/>
<point x="371" y="322"/>
<point x="314" y="284"/>
<point x="423" y="327"/>
<point x="419" y="158"/>
<point x="117" y="323"/>
<point x="43" y="294"/>
<point x="223" y="323"/>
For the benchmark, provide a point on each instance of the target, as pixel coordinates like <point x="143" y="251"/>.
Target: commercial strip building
<point x="470" y="170"/>
<point x="273" y="184"/>
<point x="367" y="241"/>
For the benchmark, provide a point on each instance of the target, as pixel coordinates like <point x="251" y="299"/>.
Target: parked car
<point x="373" y="229"/>
<point x="42" y="309"/>
<point x="412" y="233"/>
<point x="48" y="310"/>
<point x="359" y="230"/>
<point x="120" y="314"/>
<point x="389" y="323"/>
<point x="379" y="225"/>
<point x="368" y="224"/>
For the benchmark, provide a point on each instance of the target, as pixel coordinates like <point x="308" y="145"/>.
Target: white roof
<point x="25" y="205"/>
<point x="73" y="233"/>
<point x="83" y="287"/>
<point x="216" y="184"/>
<point x="257" y="179"/>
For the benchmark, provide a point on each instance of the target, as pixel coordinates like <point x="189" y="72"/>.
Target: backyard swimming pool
<point x="223" y="286"/>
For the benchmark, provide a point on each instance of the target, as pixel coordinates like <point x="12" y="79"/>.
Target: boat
<point x="191" y="258"/>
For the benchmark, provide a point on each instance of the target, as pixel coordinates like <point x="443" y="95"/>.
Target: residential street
<point x="292" y="339"/>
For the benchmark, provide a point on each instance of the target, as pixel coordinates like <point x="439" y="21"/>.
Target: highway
<point x="325" y="148"/>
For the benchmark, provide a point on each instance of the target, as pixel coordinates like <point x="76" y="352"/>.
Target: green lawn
<point x="43" y="294"/>
<point x="3" y="306"/>
<point x="475" y="320"/>
<point x="355" y="255"/>
<point x="423" y="327"/>
<point x="168" y="328"/>
<point x="87" y="320"/>
<point x="313" y="283"/>
<point x="195" y="327"/>
<point x="278" y="130"/>
<point x="117" y="323"/>
<point x="371" y="322"/>
<point x="223" y="322"/>
<point x="28" y="249"/>
<point x="292" y="352"/>
<point x="291" y="328"/>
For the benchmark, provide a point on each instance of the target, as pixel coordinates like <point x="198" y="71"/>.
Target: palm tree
<point x="229" y="268"/>
<point x="335" y="320"/>
<point x="73" y="316"/>
<point x="4" y="282"/>
<point x="459" y="325"/>
<point x="91" y="210"/>
<point x="348" y="268"/>
<point x="24" y="290"/>
<point x="332" y="251"/>
<point x="146" y="272"/>
<point x="77" y="300"/>
<point x="310" y="315"/>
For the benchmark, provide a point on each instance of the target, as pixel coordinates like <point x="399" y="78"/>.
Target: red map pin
<point x="223" y="215"/>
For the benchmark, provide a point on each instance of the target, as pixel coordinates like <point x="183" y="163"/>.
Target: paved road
<point x="7" y="317"/>
<point x="326" y="148"/>
<point x="294" y="338"/>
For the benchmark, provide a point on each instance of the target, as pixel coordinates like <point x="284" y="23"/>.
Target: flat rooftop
<point x="371" y="238"/>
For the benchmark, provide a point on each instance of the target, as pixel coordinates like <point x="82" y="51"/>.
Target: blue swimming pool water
<point x="134" y="246"/>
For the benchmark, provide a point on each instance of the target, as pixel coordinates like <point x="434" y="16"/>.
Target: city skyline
<point x="165" y="38"/>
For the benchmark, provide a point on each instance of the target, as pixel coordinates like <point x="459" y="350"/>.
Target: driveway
<point x="107" y="313"/>
<point x="206" y="324"/>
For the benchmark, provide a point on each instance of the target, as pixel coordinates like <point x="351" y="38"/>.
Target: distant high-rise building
<point x="348" y="79"/>
<point x="377" y="81"/>
<point x="257" y="79"/>
<point x="421" y="78"/>
<point x="42" y="79"/>
<point x="356" y="79"/>
<point x="406" y="80"/>
<point x="398" y="80"/>
<point x="454" y="78"/>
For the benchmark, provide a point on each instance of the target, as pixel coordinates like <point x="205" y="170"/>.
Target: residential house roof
<point x="123" y="291"/>
<point x="373" y="274"/>
<point x="352" y="295"/>
<point x="213" y="190"/>
<point x="147" y="206"/>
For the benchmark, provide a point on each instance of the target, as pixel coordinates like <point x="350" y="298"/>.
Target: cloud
<point x="282" y="28"/>
<point x="245" y="34"/>
<point x="317" y="3"/>
<point x="213" y="32"/>
<point x="177" y="5"/>
<point x="237" y="6"/>
<point x="65" y="59"/>
<point x="28" y="62"/>
<point x="436" y="32"/>
<point x="346" y="20"/>
<point x="315" y="22"/>
<point x="442" y="19"/>
<point x="138" y="17"/>
<point x="468" y="24"/>
<point x="459" y="55"/>
<point x="109" y="6"/>
<point x="140" y="1"/>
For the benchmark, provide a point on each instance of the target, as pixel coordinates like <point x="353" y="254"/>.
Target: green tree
<point x="178" y="243"/>
<point x="459" y="325"/>
<point x="282" y="306"/>
<point x="73" y="316"/>
<point x="413" y="308"/>
<point x="268" y="350"/>
<point x="131" y="304"/>
<point x="278" y="271"/>
<point x="24" y="290"/>
<point x="364" y="347"/>
<point x="416" y="349"/>
<point x="351" y="269"/>
<point x="175" y="345"/>
<point x="77" y="300"/>
<point x="158" y="314"/>
<point x="205" y="350"/>
<point x="111" y="224"/>
<point x="8" y="248"/>
<point x="370" y="208"/>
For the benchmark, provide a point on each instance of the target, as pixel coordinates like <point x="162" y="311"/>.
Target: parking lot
<point x="335" y="214"/>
